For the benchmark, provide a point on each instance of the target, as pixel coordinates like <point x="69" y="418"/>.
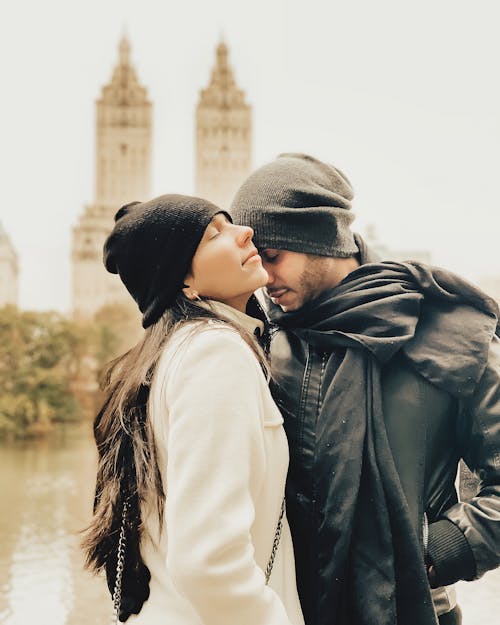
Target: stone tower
<point x="9" y="271"/>
<point x="223" y="135"/>
<point x="122" y="175"/>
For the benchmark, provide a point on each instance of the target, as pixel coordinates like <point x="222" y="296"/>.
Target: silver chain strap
<point x="120" y="563"/>
<point x="276" y="542"/>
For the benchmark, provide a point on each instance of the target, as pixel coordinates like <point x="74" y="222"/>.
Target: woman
<point x="192" y="451"/>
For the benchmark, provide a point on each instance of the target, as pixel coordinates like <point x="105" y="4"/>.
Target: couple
<point x="383" y="375"/>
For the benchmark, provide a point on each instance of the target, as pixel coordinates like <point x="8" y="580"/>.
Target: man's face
<point x="295" y="278"/>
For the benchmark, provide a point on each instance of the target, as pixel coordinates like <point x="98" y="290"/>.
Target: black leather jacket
<point x="429" y="431"/>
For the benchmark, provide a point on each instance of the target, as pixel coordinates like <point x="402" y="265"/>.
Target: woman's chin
<point x="260" y="285"/>
<point x="263" y="279"/>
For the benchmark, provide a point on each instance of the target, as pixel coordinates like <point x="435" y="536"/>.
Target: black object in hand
<point x="135" y="585"/>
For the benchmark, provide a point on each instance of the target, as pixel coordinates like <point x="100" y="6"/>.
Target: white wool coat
<point x="223" y="458"/>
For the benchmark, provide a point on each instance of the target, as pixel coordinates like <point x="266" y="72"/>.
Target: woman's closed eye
<point x="212" y="232"/>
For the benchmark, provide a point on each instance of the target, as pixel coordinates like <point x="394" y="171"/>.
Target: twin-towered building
<point x="123" y="165"/>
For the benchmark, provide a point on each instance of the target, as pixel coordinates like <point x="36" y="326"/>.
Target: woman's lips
<point x="254" y="258"/>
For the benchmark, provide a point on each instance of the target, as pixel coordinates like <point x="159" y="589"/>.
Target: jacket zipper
<point x="305" y="384"/>
<point x="425" y="534"/>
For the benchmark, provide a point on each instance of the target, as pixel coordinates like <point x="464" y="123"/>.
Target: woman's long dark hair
<point x="128" y="469"/>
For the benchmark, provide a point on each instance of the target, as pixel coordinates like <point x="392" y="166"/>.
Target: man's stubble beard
<point x="312" y="279"/>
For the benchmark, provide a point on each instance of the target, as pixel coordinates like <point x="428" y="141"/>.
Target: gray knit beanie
<point x="298" y="203"/>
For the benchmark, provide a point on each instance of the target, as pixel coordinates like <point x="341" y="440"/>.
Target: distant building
<point x="122" y="175"/>
<point x="223" y="135"/>
<point x="387" y="253"/>
<point x="9" y="271"/>
<point x="123" y="165"/>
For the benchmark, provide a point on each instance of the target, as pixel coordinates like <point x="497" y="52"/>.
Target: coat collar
<point x="224" y="310"/>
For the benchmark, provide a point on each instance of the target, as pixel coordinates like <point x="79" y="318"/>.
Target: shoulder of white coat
<point x="207" y="343"/>
<point x="218" y="340"/>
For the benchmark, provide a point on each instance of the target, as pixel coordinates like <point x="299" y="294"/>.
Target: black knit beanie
<point x="152" y="245"/>
<point x="298" y="203"/>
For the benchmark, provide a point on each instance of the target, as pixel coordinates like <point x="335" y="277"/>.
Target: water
<point x="47" y="489"/>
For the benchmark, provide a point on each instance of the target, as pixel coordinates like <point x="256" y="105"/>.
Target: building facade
<point x="122" y="174"/>
<point x="223" y="135"/>
<point x="9" y="271"/>
<point x="123" y="165"/>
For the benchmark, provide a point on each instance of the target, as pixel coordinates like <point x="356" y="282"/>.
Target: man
<point x="387" y="374"/>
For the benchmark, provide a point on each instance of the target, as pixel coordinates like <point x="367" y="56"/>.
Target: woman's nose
<point x="245" y="234"/>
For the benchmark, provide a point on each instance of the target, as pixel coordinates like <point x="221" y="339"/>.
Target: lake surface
<point x="46" y="492"/>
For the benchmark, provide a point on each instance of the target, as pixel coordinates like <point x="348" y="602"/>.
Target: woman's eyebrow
<point x="216" y="224"/>
<point x="221" y="218"/>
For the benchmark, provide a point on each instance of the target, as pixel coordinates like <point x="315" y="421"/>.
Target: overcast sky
<point x="402" y="96"/>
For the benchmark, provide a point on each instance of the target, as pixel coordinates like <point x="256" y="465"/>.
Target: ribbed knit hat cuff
<point x="320" y="231"/>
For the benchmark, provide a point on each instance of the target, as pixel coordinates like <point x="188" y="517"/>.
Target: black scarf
<point x="374" y="570"/>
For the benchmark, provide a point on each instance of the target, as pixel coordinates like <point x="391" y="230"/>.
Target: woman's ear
<point x="189" y="291"/>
